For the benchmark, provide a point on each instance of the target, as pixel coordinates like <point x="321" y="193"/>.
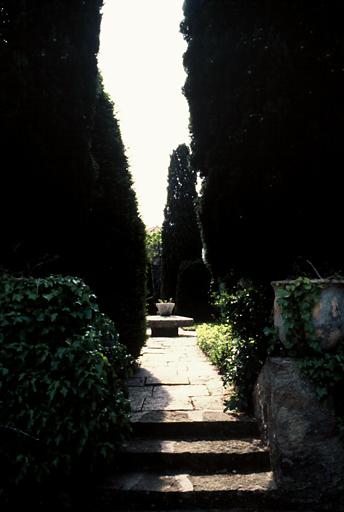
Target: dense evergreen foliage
<point x="116" y="260"/>
<point x="66" y="202"/>
<point x="64" y="407"/>
<point x="47" y="98"/>
<point x="181" y="239"/>
<point x="264" y="86"/>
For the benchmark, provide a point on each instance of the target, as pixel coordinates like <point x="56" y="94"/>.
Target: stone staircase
<point x="186" y="453"/>
<point x="181" y="462"/>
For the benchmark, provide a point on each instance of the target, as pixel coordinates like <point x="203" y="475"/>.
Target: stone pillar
<point x="307" y="455"/>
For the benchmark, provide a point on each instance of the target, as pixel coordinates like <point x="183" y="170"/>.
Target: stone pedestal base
<point x="167" y="326"/>
<point x="170" y="332"/>
<point x="307" y="455"/>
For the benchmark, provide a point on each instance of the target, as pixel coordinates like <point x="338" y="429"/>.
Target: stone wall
<point x="307" y="455"/>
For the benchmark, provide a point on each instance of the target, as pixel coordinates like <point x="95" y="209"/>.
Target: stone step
<point x="193" y="424"/>
<point x="156" y="491"/>
<point x="244" y="455"/>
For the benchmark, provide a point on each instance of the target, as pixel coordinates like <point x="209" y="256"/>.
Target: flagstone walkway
<point x="175" y="375"/>
<point x="185" y="452"/>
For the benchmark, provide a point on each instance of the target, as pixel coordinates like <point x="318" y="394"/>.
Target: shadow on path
<point x="175" y="376"/>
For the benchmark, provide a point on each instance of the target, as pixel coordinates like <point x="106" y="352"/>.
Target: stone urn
<point x="165" y="308"/>
<point x="327" y="313"/>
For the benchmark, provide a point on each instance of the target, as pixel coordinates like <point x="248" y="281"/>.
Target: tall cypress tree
<point x="66" y="202"/>
<point x="47" y="98"/>
<point x="264" y="87"/>
<point x="181" y="239"/>
<point x="116" y="259"/>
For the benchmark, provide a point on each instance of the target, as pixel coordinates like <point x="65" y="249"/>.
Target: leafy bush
<point x="237" y="360"/>
<point x="216" y="341"/>
<point x="153" y="243"/>
<point x="237" y="345"/>
<point x="62" y="379"/>
<point x="153" y="249"/>
<point x="246" y="306"/>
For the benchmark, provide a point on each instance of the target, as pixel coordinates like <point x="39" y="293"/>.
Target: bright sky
<point x="141" y="62"/>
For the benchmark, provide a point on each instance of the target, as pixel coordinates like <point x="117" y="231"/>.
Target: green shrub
<point x="238" y="361"/>
<point x="238" y="345"/>
<point x="216" y="341"/>
<point x="246" y="306"/>
<point x="62" y="379"/>
<point x="153" y="248"/>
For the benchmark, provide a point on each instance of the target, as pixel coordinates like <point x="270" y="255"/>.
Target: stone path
<point x="186" y="453"/>
<point x="175" y="376"/>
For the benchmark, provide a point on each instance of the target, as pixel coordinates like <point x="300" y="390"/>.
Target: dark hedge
<point x="66" y="201"/>
<point x="264" y="86"/>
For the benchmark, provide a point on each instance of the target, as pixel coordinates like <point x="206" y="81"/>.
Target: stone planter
<point x="165" y="308"/>
<point x="328" y="312"/>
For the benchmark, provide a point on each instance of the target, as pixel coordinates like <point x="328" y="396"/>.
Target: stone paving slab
<point x="170" y="378"/>
<point x="236" y="446"/>
<point x="136" y="381"/>
<point x="175" y="375"/>
<point x="167" y="404"/>
<point x="192" y="424"/>
<point x="195" y="416"/>
<point x="138" y="396"/>
<point x="184" y="482"/>
<point x="180" y="391"/>
<point x="208" y="403"/>
<point x="176" y="491"/>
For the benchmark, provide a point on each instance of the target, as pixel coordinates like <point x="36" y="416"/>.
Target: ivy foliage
<point x="297" y="299"/>
<point x="64" y="405"/>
